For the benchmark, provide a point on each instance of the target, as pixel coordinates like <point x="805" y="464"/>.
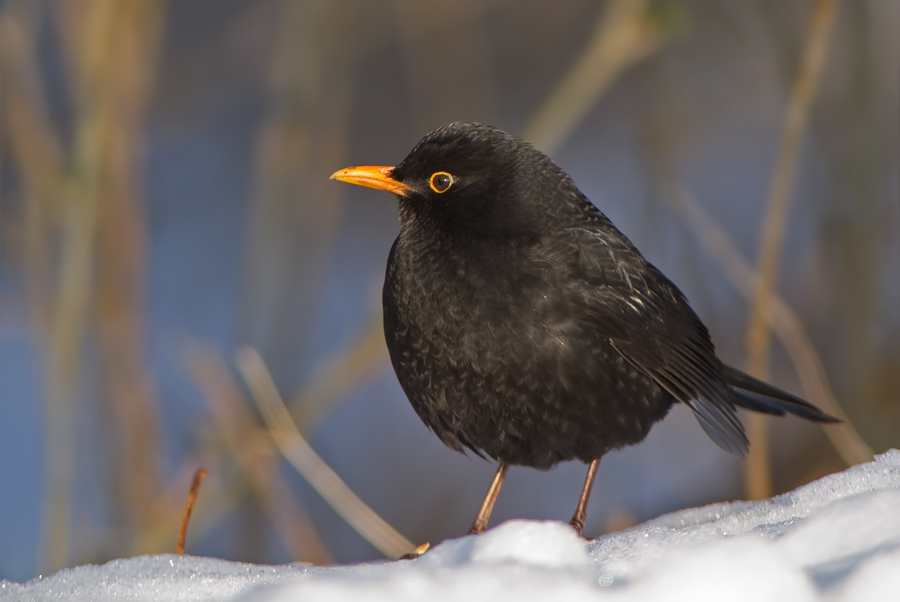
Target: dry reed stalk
<point x="35" y="152"/>
<point x="294" y="209"/>
<point x="780" y="317"/>
<point x="82" y="204"/>
<point x="113" y="52"/>
<point x="758" y="470"/>
<point x="444" y="86"/>
<point x="255" y="456"/>
<point x="625" y="34"/>
<point x="130" y="392"/>
<point x="299" y="453"/>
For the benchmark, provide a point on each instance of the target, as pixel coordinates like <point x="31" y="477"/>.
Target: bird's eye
<point x="440" y="181"/>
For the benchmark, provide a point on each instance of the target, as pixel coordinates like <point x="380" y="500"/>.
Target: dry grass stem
<point x="192" y="497"/>
<point x="121" y="259"/>
<point x="625" y="34"/>
<point x="424" y="31"/>
<point x="76" y="272"/>
<point x="294" y="210"/>
<point x="158" y="532"/>
<point x="299" y="453"/>
<point x="758" y="470"/>
<point x="780" y="317"/>
<point x="34" y="146"/>
<point x="114" y="48"/>
<point x="255" y="455"/>
<point x="35" y="151"/>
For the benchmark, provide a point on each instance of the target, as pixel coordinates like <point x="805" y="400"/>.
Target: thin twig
<point x="192" y="497"/>
<point x="255" y="455"/>
<point x="625" y="34"/>
<point x="758" y="473"/>
<point x="158" y="532"/>
<point x="299" y="453"/>
<point x="780" y="317"/>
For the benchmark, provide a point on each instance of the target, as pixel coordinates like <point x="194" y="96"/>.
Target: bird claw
<point x="579" y="528"/>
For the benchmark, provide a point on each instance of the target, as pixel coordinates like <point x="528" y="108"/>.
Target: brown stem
<point x="192" y="497"/>
<point x="298" y="452"/>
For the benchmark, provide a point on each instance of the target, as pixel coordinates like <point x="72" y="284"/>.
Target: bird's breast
<point x="493" y="358"/>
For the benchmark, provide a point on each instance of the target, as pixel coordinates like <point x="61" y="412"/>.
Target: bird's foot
<point x="578" y="525"/>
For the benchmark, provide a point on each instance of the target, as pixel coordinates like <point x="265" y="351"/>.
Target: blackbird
<point x="524" y="326"/>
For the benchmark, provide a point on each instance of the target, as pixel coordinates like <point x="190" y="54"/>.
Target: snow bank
<point x="152" y="578"/>
<point x="833" y="540"/>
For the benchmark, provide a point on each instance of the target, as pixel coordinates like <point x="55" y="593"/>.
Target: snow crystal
<point x="834" y="540"/>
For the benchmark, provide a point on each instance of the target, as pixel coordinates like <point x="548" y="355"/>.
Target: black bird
<point x="524" y="326"/>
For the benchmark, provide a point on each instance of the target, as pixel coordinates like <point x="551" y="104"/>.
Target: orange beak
<point x="373" y="177"/>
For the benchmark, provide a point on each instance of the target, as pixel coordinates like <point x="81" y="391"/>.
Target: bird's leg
<point x="581" y="511"/>
<point x="484" y="515"/>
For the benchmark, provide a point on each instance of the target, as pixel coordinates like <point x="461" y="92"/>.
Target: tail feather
<point x="758" y="396"/>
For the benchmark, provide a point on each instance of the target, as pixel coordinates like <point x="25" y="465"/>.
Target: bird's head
<point x="471" y="179"/>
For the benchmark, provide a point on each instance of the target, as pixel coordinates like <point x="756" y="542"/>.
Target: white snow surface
<point x="836" y="539"/>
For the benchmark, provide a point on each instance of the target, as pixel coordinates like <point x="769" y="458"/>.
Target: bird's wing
<point x="648" y="320"/>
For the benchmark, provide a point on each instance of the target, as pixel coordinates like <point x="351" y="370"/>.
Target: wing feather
<point x="649" y="321"/>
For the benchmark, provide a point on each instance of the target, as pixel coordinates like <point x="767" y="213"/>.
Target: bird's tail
<point x="758" y="396"/>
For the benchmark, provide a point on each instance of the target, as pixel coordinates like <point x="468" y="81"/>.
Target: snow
<point x="153" y="578"/>
<point x="836" y="539"/>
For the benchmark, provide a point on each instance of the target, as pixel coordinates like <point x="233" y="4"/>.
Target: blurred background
<point x="164" y="200"/>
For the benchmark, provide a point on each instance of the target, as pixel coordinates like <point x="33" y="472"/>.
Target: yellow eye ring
<point x="440" y="181"/>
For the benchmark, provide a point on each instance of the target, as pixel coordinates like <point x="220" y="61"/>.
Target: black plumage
<point x="524" y="326"/>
